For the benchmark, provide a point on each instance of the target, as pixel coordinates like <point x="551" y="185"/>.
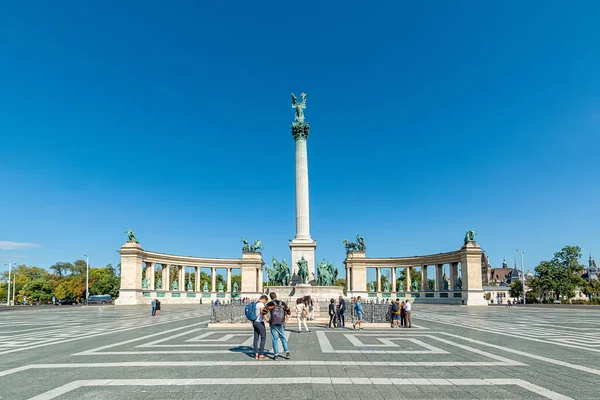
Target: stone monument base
<point x="289" y="294"/>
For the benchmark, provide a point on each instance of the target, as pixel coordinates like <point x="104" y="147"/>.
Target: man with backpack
<point x="395" y="313"/>
<point x="254" y="313"/>
<point x="279" y="315"/>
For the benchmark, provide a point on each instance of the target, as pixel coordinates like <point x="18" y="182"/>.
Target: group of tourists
<point x="401" y="314"/>
<point x="155" y="307"/>
<point x="276" y="313"/>
<point x="270" y="310"/>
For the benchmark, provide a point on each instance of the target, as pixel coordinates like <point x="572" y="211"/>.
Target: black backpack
<point x="395" y="308"/>
<point x="277" y="313"/>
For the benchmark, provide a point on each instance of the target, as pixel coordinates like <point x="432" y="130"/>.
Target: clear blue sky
<point x="174" y="120"/>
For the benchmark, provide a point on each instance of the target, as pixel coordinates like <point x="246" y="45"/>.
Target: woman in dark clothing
<point x="157" y="307"/>
<point x="402" y="315"/>
<point x="332" y="316"/>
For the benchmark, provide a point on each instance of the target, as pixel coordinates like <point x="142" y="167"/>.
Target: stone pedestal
<point x="131" y="274"/>
<point x="289" y="294"/>
<point x="252" y="265"/>
<point x="470" y="260"/>
<point x="303" y="248"/>
<point x="357" y="266"/>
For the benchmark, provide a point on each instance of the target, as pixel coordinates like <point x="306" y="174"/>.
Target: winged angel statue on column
<point x="299" y="106"/>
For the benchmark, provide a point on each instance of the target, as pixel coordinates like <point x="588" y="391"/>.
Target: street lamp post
<point x="523" y="277"/>
<point x="87" y="280"/>
<point x="8" y="294"/>
<point x="14" y="284"/>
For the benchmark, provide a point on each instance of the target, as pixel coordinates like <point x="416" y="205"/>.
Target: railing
<point x="232" y="313"/>
<point x="372" y="312"/>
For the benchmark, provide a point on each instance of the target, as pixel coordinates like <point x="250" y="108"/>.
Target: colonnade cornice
<point x="189" y="261"/>
<point x="415" y="261"/>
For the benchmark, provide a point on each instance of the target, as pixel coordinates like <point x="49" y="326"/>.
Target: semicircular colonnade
<point x="139" y="269"/>
<point x="465" y="285"/>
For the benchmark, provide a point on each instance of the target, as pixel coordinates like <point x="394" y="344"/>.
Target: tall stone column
<point x="166" y="277"/>
<point x="453" y="275"/>
<point x="213" y="278"/>
<point x="181" y="278"/>
<point x="260" y="280"/>
<point x="408" y="279"/>
<point x="394" y="288"/>
<point x="228" y="280"/>
<point x="439" y="285"/>
<point x="150" y="275"/>
<point x="197" y="283"/>
<point x="302" y="245"/>
<point x="424" y="285"/>
<point x="378" y="279"/>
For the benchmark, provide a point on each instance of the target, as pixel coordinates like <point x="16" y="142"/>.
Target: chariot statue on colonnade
<point x="251" y="248"/>
<point x="359" y="245"/>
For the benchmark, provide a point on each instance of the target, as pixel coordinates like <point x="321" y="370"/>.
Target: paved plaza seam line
<point x="54" y="393"/>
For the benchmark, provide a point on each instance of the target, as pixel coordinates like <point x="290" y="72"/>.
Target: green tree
<point x="515" y="289"/>
<point x="61" y="268"/>
<point x="205" y="278"/>
<point x="79" y="267"/>
<point x="340" y="282"/>
<point x="592" y="288"/>
<point x="415" y="276"/>
<point x="37" y="290"/>
<point x="561" y="275"/>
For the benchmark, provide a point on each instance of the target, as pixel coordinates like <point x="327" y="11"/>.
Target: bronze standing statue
<point x="303" y="270"/>
<point x="131" y="236"/>
<point x="299" y="106"/>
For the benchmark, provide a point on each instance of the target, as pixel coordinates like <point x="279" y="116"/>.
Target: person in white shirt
<point x="259" y="329"/>
<point x="301" y="314"/>
<point x="407" y="309"/>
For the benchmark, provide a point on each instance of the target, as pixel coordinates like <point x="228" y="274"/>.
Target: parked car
<point x="100" y="299"/>
<point x="66" y="302"/>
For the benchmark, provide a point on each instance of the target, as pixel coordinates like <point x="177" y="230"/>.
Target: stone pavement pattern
<point x="451" y="352"/>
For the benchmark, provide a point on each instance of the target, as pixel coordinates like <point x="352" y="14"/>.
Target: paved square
<point x="452" y="353"/>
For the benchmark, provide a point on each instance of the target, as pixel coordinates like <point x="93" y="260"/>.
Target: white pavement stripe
<point x="54" y="393"/>
<point x="498" y="331"/>
<point x="92" y="351"/>
<point x="281" y="363"/>
<point x="86" y="336"/>
<point x="525" y="354"/>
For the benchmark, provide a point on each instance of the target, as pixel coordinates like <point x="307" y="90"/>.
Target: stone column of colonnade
<point x="213" y="279"/>
<point x="150" y="275"/>
<point x="378" y="269"/>
<point x="228" y="288"/>
<point x="166" y="285"/>
<point x="394" y="288"/>
<point x="453" y="276"/>
<point x="407" y="271"/>
<point x="439" y="285"/>
<point x="181" y="283"/>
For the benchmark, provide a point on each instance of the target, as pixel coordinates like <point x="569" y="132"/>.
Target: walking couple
<point x="276" y="313"/>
